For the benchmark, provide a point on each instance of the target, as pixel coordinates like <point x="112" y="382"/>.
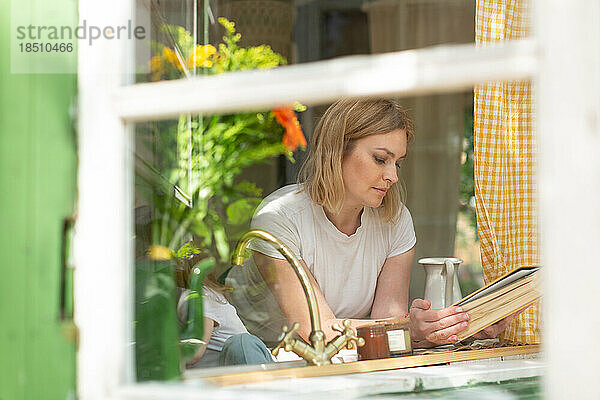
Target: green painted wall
<point x="37" y="191"/>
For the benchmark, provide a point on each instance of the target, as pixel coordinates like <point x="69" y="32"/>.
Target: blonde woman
<point x="347" y="223"/>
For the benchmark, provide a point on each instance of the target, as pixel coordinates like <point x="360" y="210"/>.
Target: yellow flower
<point x="171" y="56"/>
<point x="156" y="64"/>
<point x="156" y="67"/>
<point x="229" y="25"/>
<point x="203" y="54"/>
<point x="156" y="252"/>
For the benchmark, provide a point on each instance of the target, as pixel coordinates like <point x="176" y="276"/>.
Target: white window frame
<point x="563" y="60"/>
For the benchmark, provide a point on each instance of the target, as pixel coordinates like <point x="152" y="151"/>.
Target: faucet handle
<point x="338" y="328"/>
<point x="286" y="339"/>
<point x="349" y="333"/>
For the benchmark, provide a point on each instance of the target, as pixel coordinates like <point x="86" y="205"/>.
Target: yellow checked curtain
<point x="505" y="161"/>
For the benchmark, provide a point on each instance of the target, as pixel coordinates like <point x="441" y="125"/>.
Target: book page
<point x="500" y="293"/>
<point x="496" y="305"/>
<point x="502" y="311"/>
<point x="507" y="280"/>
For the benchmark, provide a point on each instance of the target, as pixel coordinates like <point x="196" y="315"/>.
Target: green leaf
<point x="221" y="241"/>
<point x="187" y="250"/>
<point x="242" y="210"/>
<point x="249" y="189"/>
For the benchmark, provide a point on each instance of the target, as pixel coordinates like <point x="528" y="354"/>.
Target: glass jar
<point x="376" y="342"/>
<point x="398" y="335"/>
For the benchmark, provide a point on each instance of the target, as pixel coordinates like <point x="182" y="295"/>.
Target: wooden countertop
<point x="370" y="365"/>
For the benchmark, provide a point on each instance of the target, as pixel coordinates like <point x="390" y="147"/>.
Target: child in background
<point x="226" y="340"/>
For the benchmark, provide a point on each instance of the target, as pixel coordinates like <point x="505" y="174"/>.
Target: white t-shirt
<point x="217" y="308"/>
<point x="345" y="267"/>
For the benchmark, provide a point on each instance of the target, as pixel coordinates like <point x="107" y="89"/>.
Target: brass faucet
<point x="316" y="353"/>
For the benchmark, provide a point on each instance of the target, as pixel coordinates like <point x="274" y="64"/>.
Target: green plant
<point x="185" y="56"/>
<point x="212" y="151"/>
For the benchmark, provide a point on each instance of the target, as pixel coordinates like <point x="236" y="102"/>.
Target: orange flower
<point x="293" y="136"/>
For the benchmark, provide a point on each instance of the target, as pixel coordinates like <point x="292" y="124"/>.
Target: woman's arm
<point x="209" y="325"/>
<point x="286" y="287"/>
<point x="391" y="295"/>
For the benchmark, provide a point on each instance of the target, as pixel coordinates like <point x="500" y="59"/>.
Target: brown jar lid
<point x="372" y="330"/>
<point x="397" y="325"/>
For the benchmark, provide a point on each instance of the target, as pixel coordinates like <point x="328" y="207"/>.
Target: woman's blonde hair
<point x="344" y="122"/>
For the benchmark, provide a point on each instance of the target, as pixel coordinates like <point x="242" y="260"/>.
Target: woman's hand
<point x="435" y="327"/>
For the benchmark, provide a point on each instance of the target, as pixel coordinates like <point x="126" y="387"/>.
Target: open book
<point x="501" y="298"/>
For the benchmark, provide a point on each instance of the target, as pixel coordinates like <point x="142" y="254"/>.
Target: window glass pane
<point x="186" y="34"/>
<point x="198" y="182"/>
<point x="200" y="178"/>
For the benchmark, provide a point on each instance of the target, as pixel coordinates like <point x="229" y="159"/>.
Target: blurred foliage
<point x="156" y="334"/>
<point x="204" y="155"/>
<point x="467" y="242"/>
<point x="467" y="175"/>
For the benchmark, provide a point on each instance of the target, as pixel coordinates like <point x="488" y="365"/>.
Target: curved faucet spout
<point x="313" y="307"/>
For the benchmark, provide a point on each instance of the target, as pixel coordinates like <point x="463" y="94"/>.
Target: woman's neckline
<point x="358" y="228"/>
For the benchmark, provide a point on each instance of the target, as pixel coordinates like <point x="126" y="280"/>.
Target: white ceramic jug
<point x="441" y="281"/>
